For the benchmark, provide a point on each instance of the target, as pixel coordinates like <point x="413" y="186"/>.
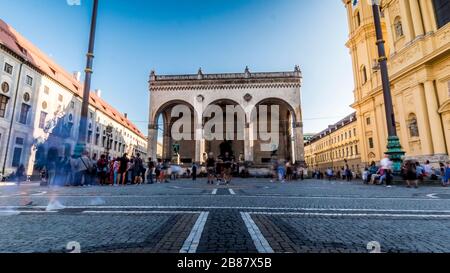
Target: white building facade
<point x="40" y="106"/>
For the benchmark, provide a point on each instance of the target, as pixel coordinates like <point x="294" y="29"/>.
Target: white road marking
<point x="39" y="193"/>
<point x="244" y="197"/>
<point x="231" y="191"/>
<point x="433" y="195"/>
<point x="136" y="212"/>
<point x="214" y="192"/>
<point x="193" y="240"/>
<point x="236" y="208"/>
<point x="355" y="214"/>
<point x="261" y="244"/>
<point x="17" y="212"/>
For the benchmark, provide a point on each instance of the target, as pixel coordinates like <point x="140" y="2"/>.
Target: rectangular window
<point x="72" y="104"/>
<point x="3" y="104"/>
<point x="42" y="118"/>
<point x="368" y="121"/>
<point x="24" y="111"/>
<point x="17" y="157"/>
<point x="30" y="80"/>
<point x="8" y="68"/>
<point x="46" y="90"/>
<point x="60" y="98"/>
<point x="20" y="141"/>
<point x="371" y="143"/>
<point x="356" y="149"/>
<point x="442" y="10"/>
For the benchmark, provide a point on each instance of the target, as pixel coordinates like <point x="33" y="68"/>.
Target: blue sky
<point x="179" y="36"/>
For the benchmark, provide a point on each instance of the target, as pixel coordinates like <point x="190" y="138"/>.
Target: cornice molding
<point x="182" y="87"/>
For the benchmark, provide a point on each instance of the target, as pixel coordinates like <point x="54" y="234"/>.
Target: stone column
<point x="152" y="141"/>
<point x="390" y="38"/>
<point x="426" y="15"/>
<point x="362" y="137"/>
<point x="423" y="123"/>
<point x="299" y="150"/>
<point x="249" y="142"/>
<point x="406" y="20"/>
<point x="403" y="126"/>
<point x="199" y="143"/>
<point x="437" y="134"/>
<point x="432" y="15"/>
<point x="417" y="22"/>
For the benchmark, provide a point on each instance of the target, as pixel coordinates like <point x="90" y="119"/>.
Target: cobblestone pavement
<point x="248" y="216"/>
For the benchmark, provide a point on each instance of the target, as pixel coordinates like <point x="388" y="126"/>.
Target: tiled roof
<point x="15" y="42"/>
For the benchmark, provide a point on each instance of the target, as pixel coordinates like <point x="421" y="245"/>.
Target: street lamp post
<point x="394" y="149"/>
<point x="82" y="133"/>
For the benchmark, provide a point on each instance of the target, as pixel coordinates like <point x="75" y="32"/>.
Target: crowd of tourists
<point x="412" y="172"/>
<point x="85" y="171"/>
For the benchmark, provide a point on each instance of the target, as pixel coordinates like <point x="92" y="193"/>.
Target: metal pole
<point x="394" y="149"/>
<point x="87" y="84"/>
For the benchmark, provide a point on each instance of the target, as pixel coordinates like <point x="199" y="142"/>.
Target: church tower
<point x="417" y="47"/>
<point x="367" y="78"/>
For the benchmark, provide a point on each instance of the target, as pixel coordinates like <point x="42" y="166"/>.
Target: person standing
<point x="410" y="174"/>
<point x="281" y="171"/>
<point x="137" y="169"/>
<point x="102" y="170"/>
<point x="446" y="179"/>
<point x="210" y="167"/>
<point x="20" y="174"/>
<point x="150" y="170"/>
<point x="289" y="172"/>
<point x="85" y="168"/>
<point x="51" y="171"/>
<point x="123" y="169"/>
<point x="116" y="172"/>
<point x="227" y="164"/>
<point x="194" y="171"/>
<point x="386" y="166"/>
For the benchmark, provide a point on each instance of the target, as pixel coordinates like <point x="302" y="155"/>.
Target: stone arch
<point x="297" y="115"/>
<point x="233" y="138"/>
<point x="178" y="151"/>
<point x="288" y="122"/>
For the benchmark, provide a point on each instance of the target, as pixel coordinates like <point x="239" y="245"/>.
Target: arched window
<point x="398" y="27"/>
<point x="412" y="126"/>
<point x="364" y="74"/>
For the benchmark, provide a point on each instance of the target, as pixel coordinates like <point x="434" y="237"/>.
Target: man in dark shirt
<point x="123" y="168"/>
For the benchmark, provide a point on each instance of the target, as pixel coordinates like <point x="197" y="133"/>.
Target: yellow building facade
<point x="417" y="36"/>
<point x="335" y="146"/>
